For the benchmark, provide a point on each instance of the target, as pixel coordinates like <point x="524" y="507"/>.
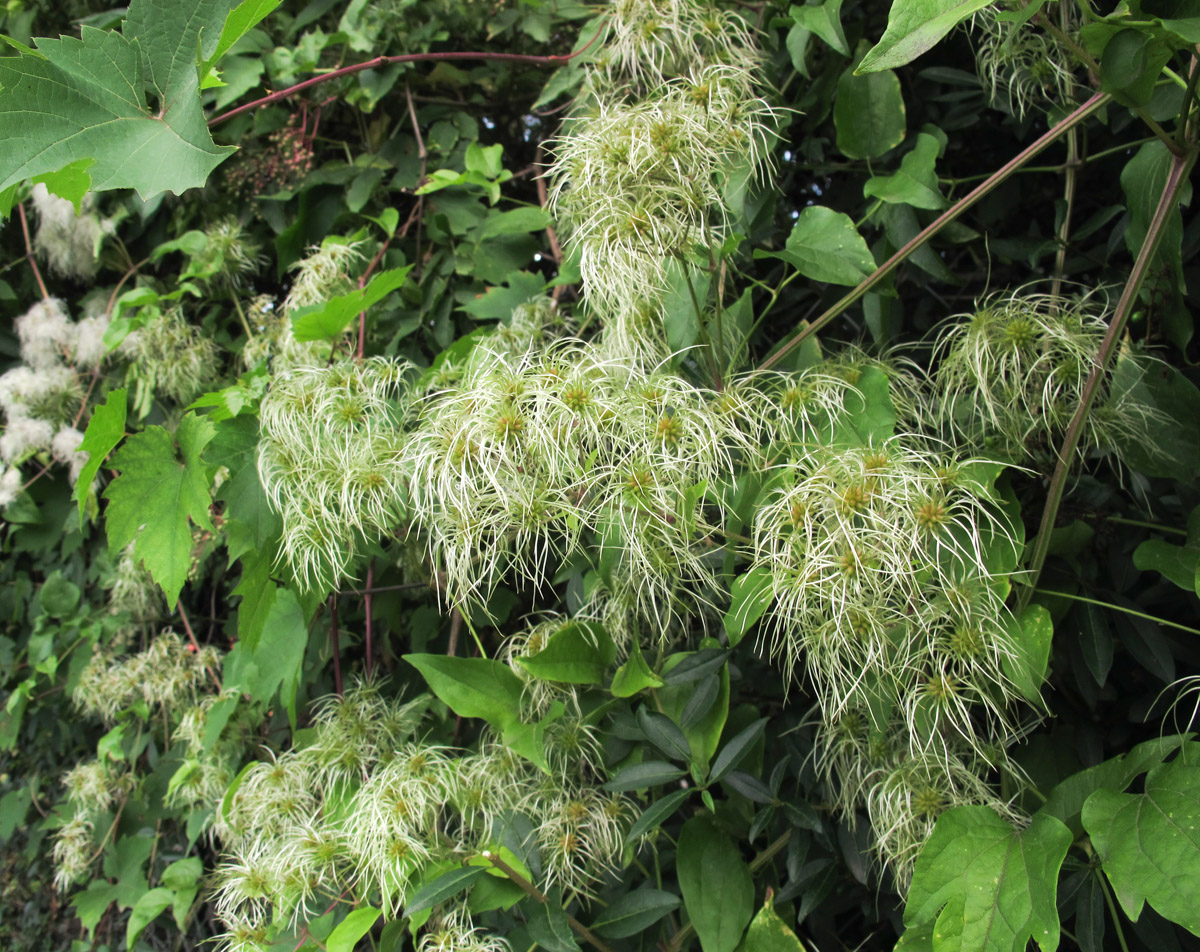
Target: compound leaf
<point x="991" y="888"/>
<point x="1150" y="842"/>
<point x="162" y="485"/>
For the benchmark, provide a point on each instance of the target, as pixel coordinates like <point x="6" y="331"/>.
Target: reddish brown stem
<point x="29" y="255"/>
<point x="986" y="186"/>
<point x="455" y="627"/>
<point x="187" y="626"/>
<point x="362" y="283"/>
<point x="379" y="61"/>
<point x="1177" y="177"/>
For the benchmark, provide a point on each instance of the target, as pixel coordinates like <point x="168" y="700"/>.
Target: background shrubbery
<point x="598" y="476"/>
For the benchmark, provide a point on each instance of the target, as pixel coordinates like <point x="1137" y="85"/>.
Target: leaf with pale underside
<point x="81" y="98"/>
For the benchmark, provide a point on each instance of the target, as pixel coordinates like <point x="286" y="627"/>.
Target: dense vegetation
<point x="661" y="474"/>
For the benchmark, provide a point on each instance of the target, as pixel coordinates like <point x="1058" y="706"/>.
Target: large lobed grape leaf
<point x="1150" y="842"/>
<point x="85" y="98"/>
<point x="985" y="886"/>
<point x="158" y="491"/>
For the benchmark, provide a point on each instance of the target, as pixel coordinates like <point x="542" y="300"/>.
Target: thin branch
<point x="1119" y="608"/>
<point x="1094" y="104"/>
<point x="456" y="618"/>
<point x="187" y="626"/>
<point x="362" y="283"/>
<point x="379" y="61"/>
<point x="1176" y="178"/>
<point x="1071" y="167"/>
<point x="29" y="255"/>
<point x="583" y="931"/>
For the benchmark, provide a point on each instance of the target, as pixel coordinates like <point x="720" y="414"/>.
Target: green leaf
<point x="105" y="430"/>
<point x="704" y="734"/>
<point x="916" y="183"/>
<point x="1131" y="64"/>
<point x="1177" y="562"/>
<point x="548" y="925"/>
<point x="85" y="98"/>
<point x="868" y="114"/>
<point x="915" y="26"/>
<point x="444" y="887"/>
<point x="327" y="321"/>
<point x="356" y="925"/>
<point x="717" y="888"/>
<point x="278" y="652"/>
<point x="1031" y="633"/>
<point x="1142" y="181"/>
<point x="825" y="20"/>
<point x="655" y="814"/>
<point x="825" y="246"/>
<point x="473" y="687"/>
<point x="664" y="734"/>
<point x="991" y="888"/>
<point x="498" y="303"/>
<point x="58" y="596"/>
<point x="1066" y="800"/>
<point x="162" y="485"/>
<point x="14" y="806"/>
<point x="634" y="676"/>
<point x="650" y="773"/>
<point x="769" y="933"/>
<point x="1150" y="842"/>
<point x="144" y="911"/>
<point x="751" y="595"/>
<point x="241" y="20"/>
<point x="735" y="751"/>
<point x="90" y="904"/>
<point x="518" y="221"/>
<point x="70" y="182"/>
<point x="578" y="653"/>
<point x="870" y="416"/>
<point x="634" y="912"/>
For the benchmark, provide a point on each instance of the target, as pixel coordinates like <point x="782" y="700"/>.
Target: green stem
<point x="1118" y="608"/>
<point x="1176" y="178"/>
<point x="1098" y="101"/>
<point x="1071" y="167"/>
<point x="1061" y="167"/>
<point x="1121" y="520"/>
<point x="1112" y="910"/>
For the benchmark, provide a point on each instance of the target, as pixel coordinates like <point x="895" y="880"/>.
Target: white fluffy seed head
<point x="68" y="240"/>
<point x="46" y="333"/>
<point x="23" y="437"/>
<point x="10" y="485"/>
